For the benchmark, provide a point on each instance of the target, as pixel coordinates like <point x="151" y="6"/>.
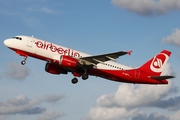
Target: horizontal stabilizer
<point x="161" y="77"/>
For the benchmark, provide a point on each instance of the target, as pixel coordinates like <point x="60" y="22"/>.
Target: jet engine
<point x="69" y="62"/>
<point x="54" y="69"/>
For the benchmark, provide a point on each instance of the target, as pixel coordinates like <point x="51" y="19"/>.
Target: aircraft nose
<point x="7" y="42"/>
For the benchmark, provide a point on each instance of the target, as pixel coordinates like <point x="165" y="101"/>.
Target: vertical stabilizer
<point x="155" y="65"/>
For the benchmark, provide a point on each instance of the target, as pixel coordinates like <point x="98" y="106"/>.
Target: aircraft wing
<point x="94" y="60"/>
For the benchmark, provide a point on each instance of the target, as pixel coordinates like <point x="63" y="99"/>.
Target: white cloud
<point x="152" y="116"/>
<point x="50" y="115"/>
<point x="175" y="116"/>
<point x="20" y="105"/>
<point x="174" y="38"/>
<point x="3" y="117"/>
<point x="148" y="7"/>
<point x="26" y="106"/>
<point x="167" y="70"/>
<point x="103" y="113"/>
<point x="132" y="96"/>
<point x="129" y="100"/>
<point x="16" y="71"/>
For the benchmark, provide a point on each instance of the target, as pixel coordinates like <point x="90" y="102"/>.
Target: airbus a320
<point x="64" y="60"/>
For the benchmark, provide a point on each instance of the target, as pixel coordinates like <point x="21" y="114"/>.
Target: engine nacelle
<point x="54" y="69"/>
<point x="69" y="62"/>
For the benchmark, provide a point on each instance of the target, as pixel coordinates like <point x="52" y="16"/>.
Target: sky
<point x="95" y="27"/>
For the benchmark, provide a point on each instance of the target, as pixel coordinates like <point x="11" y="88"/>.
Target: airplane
<point x="63" y="60"/>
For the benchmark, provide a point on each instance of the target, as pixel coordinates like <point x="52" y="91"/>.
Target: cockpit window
<point x="19" y="38"/>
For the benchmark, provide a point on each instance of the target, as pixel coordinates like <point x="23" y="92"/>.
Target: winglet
<point x="129" y="52"/>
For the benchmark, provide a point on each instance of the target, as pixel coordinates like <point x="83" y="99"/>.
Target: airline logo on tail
<point x="158" y="62"/>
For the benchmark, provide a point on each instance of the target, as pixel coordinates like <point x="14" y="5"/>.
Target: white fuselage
<point x="48" y="51"/>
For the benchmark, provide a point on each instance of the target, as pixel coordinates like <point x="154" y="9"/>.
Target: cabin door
<point x="30" y="43"/>
<point x="137" y="74"/>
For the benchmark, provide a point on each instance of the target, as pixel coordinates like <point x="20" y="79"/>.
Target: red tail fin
<point x="155" y="65"/>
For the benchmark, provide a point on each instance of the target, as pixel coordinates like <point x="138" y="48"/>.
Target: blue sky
<point x="95" y="27"/>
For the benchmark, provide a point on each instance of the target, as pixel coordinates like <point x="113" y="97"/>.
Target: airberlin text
<point x="54" y="48"/>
